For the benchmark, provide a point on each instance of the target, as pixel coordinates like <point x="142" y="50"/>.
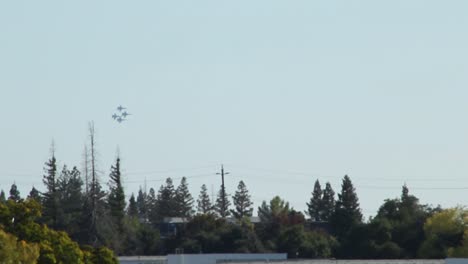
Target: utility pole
<point x="223" y="190"/>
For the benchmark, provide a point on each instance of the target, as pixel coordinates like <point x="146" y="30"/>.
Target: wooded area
<point x="75" y="221"/>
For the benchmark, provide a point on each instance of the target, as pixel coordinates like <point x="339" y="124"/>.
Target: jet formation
<point x="121" y="114"/>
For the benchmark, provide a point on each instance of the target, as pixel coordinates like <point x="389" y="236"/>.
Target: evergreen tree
<point x="328" y="203"/>
<point x="14" y="193"/>
<point x="152" y="206"/>
<point x="222" y="204"/>
<point x="242" y="202"/>
<point x="132" y="209"/>
<point x="35" y="195"/>
<point x="116" y="198"/>
<point x="204" y="202"/>
<point x="348" y="200"/>
<point x="69" y="189"/>
<point x="50" y="196"/>
<point x="166" y="200"/>
<point x="142" y="207"/>
<point x="184" y="200"/>
<point x="2" y="197"/>
<point x="347" y="212"/>
<point x="314" y="207"/>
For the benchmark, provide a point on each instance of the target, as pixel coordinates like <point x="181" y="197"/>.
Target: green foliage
<point x="69" y="192"/>
<point x="142" y="205"/>
<point x="242" y="202"/>
<point x="166" y="202"/>
<point x="314" y="207"/>
<point x="13" y="251"/>
<point x="277" y="208"/>
<point x="132" y="209"/>
<point x="404" y="218"/>
<point x="103" y="255"/>
<point x="446" y="234"/>
<point x="14" y="193"/>
<point x="2" y="197"/>
<point x="20" y="219"/>
<point x="34" y="194"/>
<point x="222" y="204"/>
<point x="116" y="197"/>
<point x="50" y="196"/>
<point x="184" y="200"/>
<point x="347" y="212"/>
<point x="204" y="202"/>
<point x="327" y="203"/>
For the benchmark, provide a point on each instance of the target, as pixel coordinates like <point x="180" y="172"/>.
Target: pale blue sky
<point x="281" y="92"/>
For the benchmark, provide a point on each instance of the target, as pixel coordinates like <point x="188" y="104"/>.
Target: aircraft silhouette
<point x="115" y="116"/>
<point x="125" y="114"/>
<point x="120" y="108"/>
<point x="120" y="119"/>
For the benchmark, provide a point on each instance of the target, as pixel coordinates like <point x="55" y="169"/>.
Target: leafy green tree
<point x="277" y="208"/>
<point x="446" y="234"/>
<point x="103" y="255"/>
<point x="184" y="200"/>
<point x="327" y="203"/>
<point x="14" y="251"/>
<point x="242" y="202"/>
<point x="116" y="198"/>
<point x="132" y="209"/>
<point x="222" y="204"/>
<point x="314" y="207"/>
<point x="14" y="193"/>
<point x="204" y="202"/>
<point x="50" y="201"/>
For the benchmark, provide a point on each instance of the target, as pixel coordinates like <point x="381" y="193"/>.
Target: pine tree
<point x="14" y="193"/>
<point x="328" y="203"/>
<point x="314" y="207"/>
<point x="348" y="199"/>
<point x="183" y="199"/>
<point x="50" y="201"/>
<point x="242" y="202"/>
<point x="116" y="198"/>
<point x="166" y="200"/>
<point x="222" y="204"/>
<point x="142" y="206"/>
<point x="152" y="206"/>
<point x="132" y="209"/>
<point x="204" y="202"/>
<point x="35" y="195"/>
<point x="2" y="197"/>
<point x="69" y="189"/>
<point x="347" y="212"/>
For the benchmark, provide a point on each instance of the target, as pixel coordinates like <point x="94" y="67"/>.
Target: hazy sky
<point x="281" y="92"/>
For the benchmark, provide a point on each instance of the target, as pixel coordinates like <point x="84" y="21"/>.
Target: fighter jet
<point x="115" y="116"/>
<point x="125" y="114"/>
<point x="120" y="108"/>
<point x="120" y="119"/>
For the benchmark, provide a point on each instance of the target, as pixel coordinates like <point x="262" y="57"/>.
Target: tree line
<point x="75" y="205"/>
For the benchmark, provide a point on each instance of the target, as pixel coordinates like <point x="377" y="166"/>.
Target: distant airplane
<point x="115" y="116"/>
<point x="120" y="108"/>
<point x="125" y="114"/>
<point x="120" y="119"/>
